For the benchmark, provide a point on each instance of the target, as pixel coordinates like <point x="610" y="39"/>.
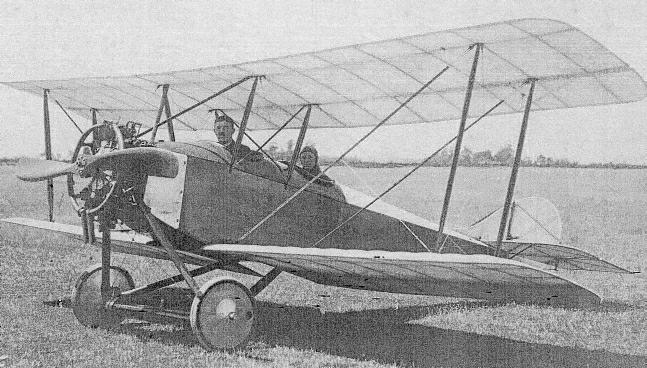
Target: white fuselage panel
<point x="164" y="195"/>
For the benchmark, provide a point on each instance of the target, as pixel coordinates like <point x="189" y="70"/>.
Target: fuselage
<point x="210" y="203"/>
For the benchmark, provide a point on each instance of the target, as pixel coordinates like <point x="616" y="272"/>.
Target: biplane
<point x="206" y="208"/>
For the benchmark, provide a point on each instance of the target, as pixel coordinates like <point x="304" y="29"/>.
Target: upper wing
<point x="455" y="275"/>
<point x="359" y="85"/>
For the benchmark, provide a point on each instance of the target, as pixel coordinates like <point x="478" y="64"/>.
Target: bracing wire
<point x="373" y="192"/>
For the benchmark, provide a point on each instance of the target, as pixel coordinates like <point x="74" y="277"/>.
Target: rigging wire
<point x="373" y="192"/>
<point x="300" y="190"/>
<point x="534" y="219"/>
<point x="407" y="175"/>
<point x="402" y="105"/>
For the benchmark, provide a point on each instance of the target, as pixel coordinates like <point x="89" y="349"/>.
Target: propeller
<point x="39" y="170"/>
<point x="101" y="182"/>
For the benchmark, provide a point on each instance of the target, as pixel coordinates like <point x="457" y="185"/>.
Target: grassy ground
<point x="303" y="324"/>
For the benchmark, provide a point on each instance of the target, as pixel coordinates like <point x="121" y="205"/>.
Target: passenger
<point x="309" y="158"/>
<point x="224" y="127"/>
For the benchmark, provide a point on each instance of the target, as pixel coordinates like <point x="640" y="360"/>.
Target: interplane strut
<point x="515" y="167"/>
<point x="297" y="147"/>
<point x="48" y="154"/>
<point x="243" y="123"/>
<point x="457" y="148"/>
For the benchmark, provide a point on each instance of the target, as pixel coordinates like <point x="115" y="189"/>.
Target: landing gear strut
<point x="222" y="313"/>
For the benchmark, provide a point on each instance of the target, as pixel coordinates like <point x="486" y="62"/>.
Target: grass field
<point x="302" y="324"/>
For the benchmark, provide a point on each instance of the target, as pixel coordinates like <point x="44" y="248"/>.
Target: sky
<point x="64" y="39"/>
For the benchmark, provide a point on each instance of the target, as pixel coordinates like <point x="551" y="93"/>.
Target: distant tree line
<point x="468" y="157"/>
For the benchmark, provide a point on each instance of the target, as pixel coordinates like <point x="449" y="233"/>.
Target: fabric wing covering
<point x="452" y="275"/>
<point x="359" y="85"/>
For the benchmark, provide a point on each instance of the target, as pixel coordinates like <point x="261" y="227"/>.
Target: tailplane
<point x="533" y="232"/>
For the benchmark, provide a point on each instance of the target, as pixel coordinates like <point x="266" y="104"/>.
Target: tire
<point x="87" y="304"/>
<point x="222" y="317"/>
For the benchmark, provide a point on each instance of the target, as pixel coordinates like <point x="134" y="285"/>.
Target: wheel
<point x="222" y="317"/>
<point x="95" y="190"/>
<point x="87" y="305"/>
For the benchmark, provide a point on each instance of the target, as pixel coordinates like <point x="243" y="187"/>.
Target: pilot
<point x="309" y="158"/>
<point x="224" y="127"/>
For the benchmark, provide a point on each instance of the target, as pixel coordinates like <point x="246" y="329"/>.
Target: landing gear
<point x="89" y="306"/>
<point x="222" y="314"/>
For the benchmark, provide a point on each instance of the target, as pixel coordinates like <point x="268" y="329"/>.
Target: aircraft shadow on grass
<point x="383" y="335"/>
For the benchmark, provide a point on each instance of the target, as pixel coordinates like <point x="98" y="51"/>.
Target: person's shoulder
<point x="255" y="156"/>
<point x="243" y="147"/>
<point x="249" y="154"/>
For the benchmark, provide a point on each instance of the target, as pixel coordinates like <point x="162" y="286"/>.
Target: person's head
<point x="224" y="128"/>
<point x="308" y="157"/>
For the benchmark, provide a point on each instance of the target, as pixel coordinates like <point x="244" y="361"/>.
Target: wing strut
<point x="196" y="105"/>
<point x="48" y="154"/>
<point x="261" y="284"/>
<point x="163" y="108"/>
<point x="106" y="244"/>
<point x="159" y="112"/>
<point x="243" y="123"/>
<point x="167" y="110"/>
<point x="421" y="164"/>
<point x="395" y="111"/>
<point x="515" y="167"/>
<point x="440" y="238"/>
<point x="260" y="148"/>
<point x="94" y="122"/>
<point x="297" y="147"/>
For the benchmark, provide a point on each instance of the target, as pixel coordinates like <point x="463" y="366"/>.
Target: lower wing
<point x="131" y="243"/>
<point x="454" y="275"/>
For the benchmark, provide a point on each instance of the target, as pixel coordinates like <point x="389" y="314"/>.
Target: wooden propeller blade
<point x="38" y="170"/>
